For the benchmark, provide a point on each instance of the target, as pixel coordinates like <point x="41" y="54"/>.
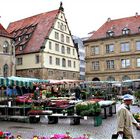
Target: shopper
<point x="125" y="119"/>
<point x="77" y="91"/>
<point x="36" y="93"/>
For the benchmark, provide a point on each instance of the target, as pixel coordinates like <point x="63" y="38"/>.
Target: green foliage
<point x="48" y="94"/>
<point x="137" y="94"/>
<point x="70" y="111"/>
<point x="100" y="93"/>
<point x="44" y="92"/>
<point x="25" y="105"/>
<point x="2" y="136"/>
<point x="89" y="109"/>
<point x="80" y="108"/>
<point x="37" y="107"/>
<point x="136" y="116"/>
<point x="84" y="94"/>
<point x="97" y="108"/>
<point x="64" y="91"/>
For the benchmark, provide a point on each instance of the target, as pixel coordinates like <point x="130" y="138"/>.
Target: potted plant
<point x="97" y="109"/>
<point x="81" y="107"/>
<point x="89" y="109"/>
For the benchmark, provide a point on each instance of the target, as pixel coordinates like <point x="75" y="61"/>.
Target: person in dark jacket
<point x="77" y="92"/>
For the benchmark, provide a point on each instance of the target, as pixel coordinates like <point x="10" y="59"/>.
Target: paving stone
<point x="27" y="130"/>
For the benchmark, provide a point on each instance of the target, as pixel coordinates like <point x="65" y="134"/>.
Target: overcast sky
<point x="83" y="16"/>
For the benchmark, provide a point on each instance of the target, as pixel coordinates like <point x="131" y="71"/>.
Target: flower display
<point x="85" y="136"/>
<point x="60" y="136"/>
<point x="59" y="103"/>
<point x="1" y="134"/>
<point x="6" y="135"/>
<point x="40" y="112"/>
<point x="63" y="136"/>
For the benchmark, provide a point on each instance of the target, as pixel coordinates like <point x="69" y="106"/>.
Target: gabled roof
<point x="116" y="26"/>
<point x="4" y="33"/>
<point x="34" y="30"/>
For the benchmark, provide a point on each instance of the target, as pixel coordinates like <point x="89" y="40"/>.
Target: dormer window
<point x="27" y="36"/>
<point x="19" y="39"/>
<point x="138" y="29"/>
<point x="20" y="48"/>
<point x="125" y="31"/>
<point x="109" y="33"/>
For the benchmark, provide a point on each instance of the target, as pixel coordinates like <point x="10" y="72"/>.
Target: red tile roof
<point x="38" y="27"/>
<point x="4" y="33"/>
<point x="132" y="23"/>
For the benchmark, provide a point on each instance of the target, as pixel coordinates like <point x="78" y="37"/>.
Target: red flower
<point x="1" y="133"/>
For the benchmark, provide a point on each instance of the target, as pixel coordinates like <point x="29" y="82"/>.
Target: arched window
<point x="125" y="78"/>
<point x="63" y="62"/>
<point x="5" y="70"/>
<point x="5" y="47"/>
<point x="111" y="78"/>
<point x="95" y="79"/>
<point x="62" y="38"/>
<point x="63" y="50"/>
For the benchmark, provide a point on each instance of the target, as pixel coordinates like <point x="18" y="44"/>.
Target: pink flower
<point x="60" y="136"/>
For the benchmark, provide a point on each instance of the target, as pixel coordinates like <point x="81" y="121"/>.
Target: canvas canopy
<point x="20" y="81"/>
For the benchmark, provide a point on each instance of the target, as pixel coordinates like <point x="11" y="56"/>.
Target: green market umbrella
<point x="6" y="82"/>
<point x="17" y="83"/>
<point x="23" y="81"/>
<point x="1" y="80"/>
<point x="12" y="83"/>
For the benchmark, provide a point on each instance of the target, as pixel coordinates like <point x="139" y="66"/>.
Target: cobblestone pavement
<point x="27" y="130"/>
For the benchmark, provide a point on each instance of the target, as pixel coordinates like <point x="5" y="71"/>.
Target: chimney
<point x="109" y="19"/>
<point x="136" y="14"/>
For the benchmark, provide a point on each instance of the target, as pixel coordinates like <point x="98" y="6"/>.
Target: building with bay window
<point x="44" y="46"/>
<point x="113" y="51"/>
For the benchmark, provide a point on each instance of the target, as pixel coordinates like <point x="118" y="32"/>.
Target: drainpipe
<point x="42" y="60"/>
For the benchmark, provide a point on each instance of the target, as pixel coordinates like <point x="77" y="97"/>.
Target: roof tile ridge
<point x="138" y="16"/>
<point x="4" y="32"/>
<point x="97" y="30"/>
<point x="33" y="16"/>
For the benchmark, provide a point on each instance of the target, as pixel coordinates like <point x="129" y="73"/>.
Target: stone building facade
<point x="7" y="53"/>
<point x="113" y="51"/>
